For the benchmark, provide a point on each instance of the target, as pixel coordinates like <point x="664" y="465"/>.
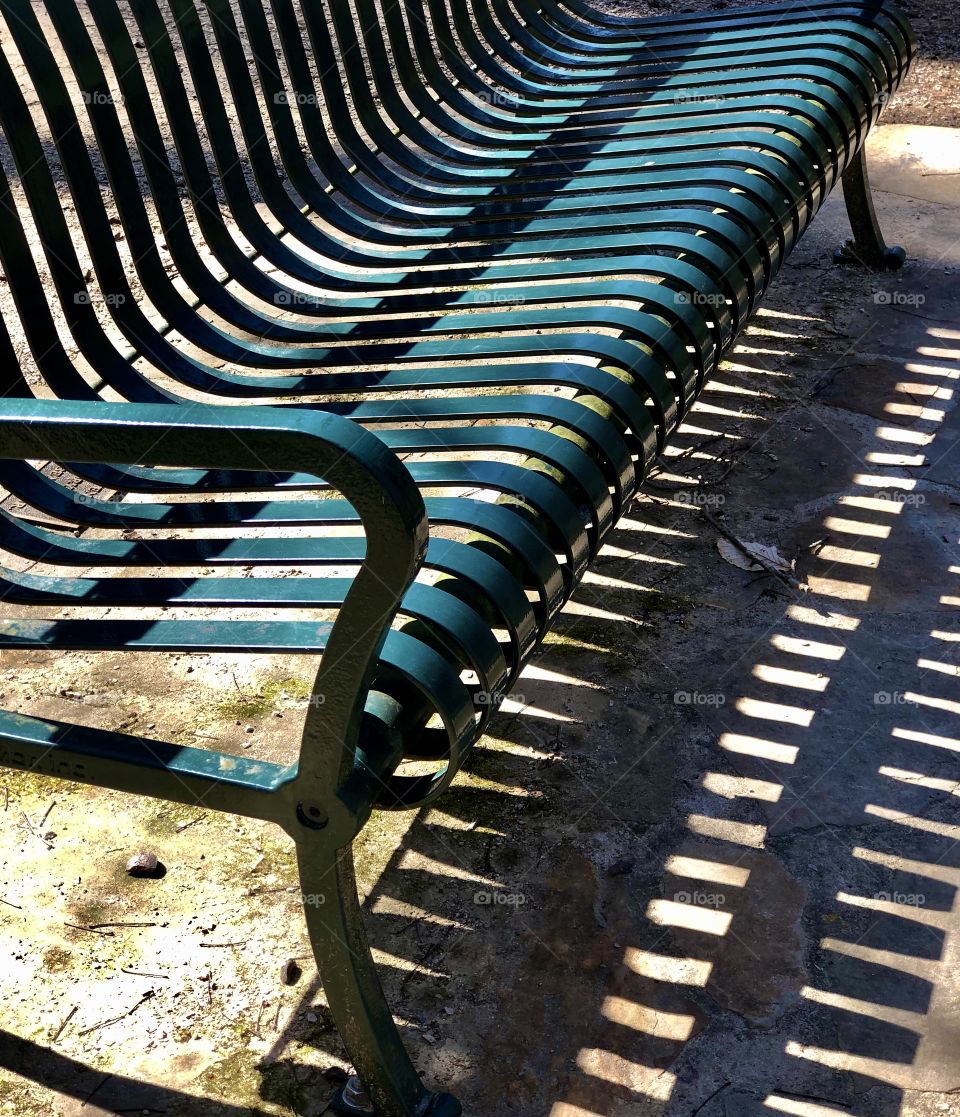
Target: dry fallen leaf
<point x="770" y="558"/>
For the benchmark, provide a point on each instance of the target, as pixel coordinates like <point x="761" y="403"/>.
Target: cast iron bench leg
<point x="867" y="247"/>
<point x="354" y="993"/>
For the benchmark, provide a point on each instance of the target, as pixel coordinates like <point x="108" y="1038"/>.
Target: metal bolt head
<point x="354" y="1095"/>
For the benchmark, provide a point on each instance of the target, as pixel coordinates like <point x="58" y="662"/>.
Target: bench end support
<point x="391" y="1087"/>
<point x="867" y="248"/>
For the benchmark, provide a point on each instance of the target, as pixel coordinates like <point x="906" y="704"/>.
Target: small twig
<point x="142" y="973"/>
<point x="95" y="926"/>
<point x="9" y="905"/>
<point x="793" y="583"/>
<point x="734" y="462"/>
<point x="6" y="798"/>
<point x="707" y="1101"/>
<point x="429" y="955"/>
<point x="917" y="314"/>
<point x="46" y="814"/>
<point x="105" y="1023"/>
<point x="219" y="944"/>
<point x="181" y="826"/>
<point x="33" y="831"/>
<point x="412" y="923"/>
<point x="66" y="1021"/>
<point x="103" y="1081"/>
<point x="770" y="591"/>
<point x="91" y="930"/>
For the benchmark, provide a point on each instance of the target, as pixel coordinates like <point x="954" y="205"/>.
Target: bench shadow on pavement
<point x="763" y="845"/>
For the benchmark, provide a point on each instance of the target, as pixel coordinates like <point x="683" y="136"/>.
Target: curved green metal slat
<point x="584" y="164"/>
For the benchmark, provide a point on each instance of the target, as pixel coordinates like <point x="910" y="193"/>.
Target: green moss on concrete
<point x="377" y="843"/>
<point x="280" y="1086"/>
<point x="164" y="818"/>
<point x="233" y="1078"/>
<point x="55" y="959"/>
<point x="245" y="706"/>
<point x="88" y="912"/>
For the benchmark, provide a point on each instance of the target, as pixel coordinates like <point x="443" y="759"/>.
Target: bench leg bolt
<point x="351" y="1099"/>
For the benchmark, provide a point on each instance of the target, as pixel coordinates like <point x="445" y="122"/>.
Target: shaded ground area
<point x="931" y="95"/>
<point x="706" y="864"/>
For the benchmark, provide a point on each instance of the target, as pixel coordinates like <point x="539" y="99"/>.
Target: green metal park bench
<point x="510" y="240"/>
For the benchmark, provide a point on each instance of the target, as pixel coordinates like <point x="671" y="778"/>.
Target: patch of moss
<point x="55" y="959"/>
<point x="377" y="843"/>
<point x="166" y="817"/>
<point x="87" y="913"/>
<point x="26" y="787"/>
<point x="616" y="641"/>
<point x="20" y="1100"/>
<point x="281" y="1087"/>
<point x="561" y="642"/>
<point x="652" y="601"/>
<point x="233" y="1077"/>
<point x="244" y="706"/>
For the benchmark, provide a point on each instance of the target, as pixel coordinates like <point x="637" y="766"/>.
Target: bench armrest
<point x="332" y="447"/>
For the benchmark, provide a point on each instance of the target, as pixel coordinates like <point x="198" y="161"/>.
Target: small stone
<point x="50" y="835"/>
<point x="290" y="972"/>
<point x="248" y="729"/>
<point x="429" y="1037"/>
<point x="143" y="864"/>
<point x="620" y="868"/>
<point x="311" y="1018"/>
